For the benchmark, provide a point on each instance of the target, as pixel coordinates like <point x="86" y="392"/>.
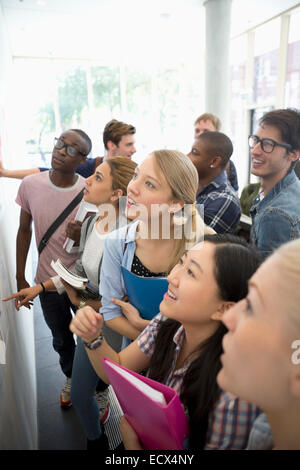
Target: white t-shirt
<point x="92" y="254"/>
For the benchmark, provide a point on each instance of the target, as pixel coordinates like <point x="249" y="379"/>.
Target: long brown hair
<point x="122" y="170"/>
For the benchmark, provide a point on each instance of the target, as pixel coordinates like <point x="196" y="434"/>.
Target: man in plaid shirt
<point x="210" y="154"/>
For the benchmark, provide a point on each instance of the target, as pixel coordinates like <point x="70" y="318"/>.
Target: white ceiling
<point x="248" y="13"/>
<point x="119" y="29"/>
<point x="102" y="29"/>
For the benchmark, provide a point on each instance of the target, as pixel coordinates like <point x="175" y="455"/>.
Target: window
<point x="238" y="100"/>
<point x="50" y="96"/>
<point x="292" y="87"/>
<point x="267" y="38"/>
<point x="238" y="92"/>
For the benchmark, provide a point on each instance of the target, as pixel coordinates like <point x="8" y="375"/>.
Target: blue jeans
<point x="84" y="383"/>
<point x="57" y="313"/>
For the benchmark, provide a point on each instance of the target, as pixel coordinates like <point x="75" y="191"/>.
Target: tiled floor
<point x="59" y="429"/>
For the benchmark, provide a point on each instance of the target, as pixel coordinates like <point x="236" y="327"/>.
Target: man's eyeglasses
<point x="71" y="151"/>
<point x="267" y="145"/>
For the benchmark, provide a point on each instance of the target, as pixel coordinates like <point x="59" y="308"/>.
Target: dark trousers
<point x="57" y="313"/>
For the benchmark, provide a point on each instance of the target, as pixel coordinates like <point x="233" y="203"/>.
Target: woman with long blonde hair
<point x="161" y="196"/>
<point x="261" y="360"/>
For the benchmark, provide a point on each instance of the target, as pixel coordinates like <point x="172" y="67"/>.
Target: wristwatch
<point x="96" y="343"/>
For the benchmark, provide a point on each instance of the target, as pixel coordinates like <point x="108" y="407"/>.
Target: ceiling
<point x="104" y="29"/>
<point x="115" y="29"/>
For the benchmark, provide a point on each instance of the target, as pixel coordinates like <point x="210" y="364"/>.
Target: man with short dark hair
<point x="210" y="154"/>
<point x="118" y="139"/>
<point x="275" y="150"/>
<point x="42" y="198"/>
<point x="209" y="122"/>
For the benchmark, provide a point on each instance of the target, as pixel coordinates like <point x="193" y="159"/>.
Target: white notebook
<point x="156" y="395"/>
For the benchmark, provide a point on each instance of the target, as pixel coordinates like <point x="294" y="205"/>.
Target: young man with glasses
<point x="118" y="139"/>
<point x="43" y="197"/>
<point x="275" y="149"/>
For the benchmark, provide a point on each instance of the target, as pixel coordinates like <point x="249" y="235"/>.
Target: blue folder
<point x="145" y="293"/>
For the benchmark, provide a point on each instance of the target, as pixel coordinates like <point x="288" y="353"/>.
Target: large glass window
<point x="150" y="75"/>
<point x="238" y="101"/>
<point x="33" y="115"/>
<point x="292" y="87"/>
<point x="50" y="96"/>
<point x="267" y="39"/>
<point x="238" y="91"/>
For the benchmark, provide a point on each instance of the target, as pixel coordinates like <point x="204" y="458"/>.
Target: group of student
<point x="226" y="328"/>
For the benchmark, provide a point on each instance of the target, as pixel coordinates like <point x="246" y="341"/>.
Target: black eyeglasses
<point x="267" y="145"/>
<point x="71" y="151"/>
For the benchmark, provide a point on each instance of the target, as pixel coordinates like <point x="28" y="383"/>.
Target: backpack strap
<point x="125" y="244"/>
<point x="89" y="227"/>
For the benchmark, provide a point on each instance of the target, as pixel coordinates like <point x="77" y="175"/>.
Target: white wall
<point x="18" y="399"/>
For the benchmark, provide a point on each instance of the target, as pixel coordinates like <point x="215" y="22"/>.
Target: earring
<point x="211" y="166"/>
<point x="179" y="218"/>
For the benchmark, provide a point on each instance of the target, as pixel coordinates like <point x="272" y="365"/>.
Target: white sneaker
<point x="103" y="404"/>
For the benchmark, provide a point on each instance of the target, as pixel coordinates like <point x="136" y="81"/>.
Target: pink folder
<point x="158" y="427"/>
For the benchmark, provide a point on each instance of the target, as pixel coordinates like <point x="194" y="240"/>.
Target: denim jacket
<point x="116" y="255"/>
<point x="276" y="219"/>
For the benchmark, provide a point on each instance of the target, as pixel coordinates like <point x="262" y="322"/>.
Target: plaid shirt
<point x="231" y="420"/>
<point x="222" y="210"/>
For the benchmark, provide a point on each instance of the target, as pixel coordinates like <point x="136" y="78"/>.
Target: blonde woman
<point x="162" y="185"/>
<point x="261" y="360"/>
